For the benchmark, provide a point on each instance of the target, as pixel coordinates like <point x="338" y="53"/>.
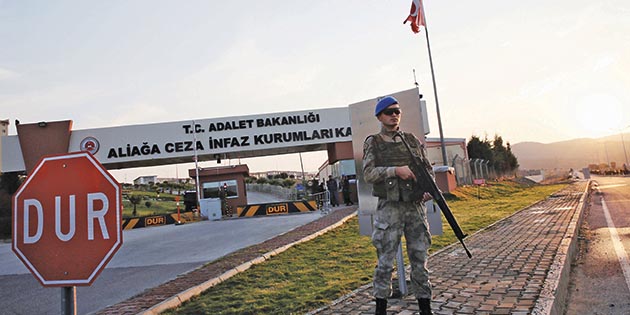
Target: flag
<point x="416" y="16"/>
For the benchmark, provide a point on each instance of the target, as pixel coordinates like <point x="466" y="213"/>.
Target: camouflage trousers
<point x="392" y="220"/>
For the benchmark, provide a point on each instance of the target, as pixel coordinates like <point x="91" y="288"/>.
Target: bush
<point x="288" y="183"/>
<point x="5" y="204"/>
<point x="5" y="227"/>
<point x="5" y="214"/>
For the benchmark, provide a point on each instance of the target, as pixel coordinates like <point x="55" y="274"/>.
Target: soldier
<point x="345" y="190"/>
<point x="385" y="166"/>
<point x="333" y="190"/>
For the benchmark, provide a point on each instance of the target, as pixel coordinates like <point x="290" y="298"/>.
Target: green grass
<point x="160" y="204"/>
<point x="315" y="273"/>
<point x="157" y="207"/>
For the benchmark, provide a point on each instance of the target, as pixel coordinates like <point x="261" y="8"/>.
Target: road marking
<point x="621" y="253"/>
<point x="612" y="186"/>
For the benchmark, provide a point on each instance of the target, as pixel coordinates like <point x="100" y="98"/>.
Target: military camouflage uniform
<point x="396" y="214"/>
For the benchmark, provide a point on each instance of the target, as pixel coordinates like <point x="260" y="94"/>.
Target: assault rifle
<point x="426" y="183"/>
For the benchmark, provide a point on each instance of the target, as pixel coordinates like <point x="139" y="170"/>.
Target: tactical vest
<point x="395" y="154"/>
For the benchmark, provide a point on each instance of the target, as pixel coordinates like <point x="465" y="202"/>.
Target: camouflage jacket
<point x="380" y="169"/>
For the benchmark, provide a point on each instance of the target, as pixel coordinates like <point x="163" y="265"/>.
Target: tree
<point x="135" y="200"/>
<point x="512" y="161"/>
<point x="288" y="183"/>
<point x="479" y="149"/>
<point x="501" y="157"/>
<point x="10" y="182"/>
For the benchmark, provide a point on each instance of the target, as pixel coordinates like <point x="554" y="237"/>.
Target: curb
<point x="554" y="293"/>
<point x="186" y="295"/>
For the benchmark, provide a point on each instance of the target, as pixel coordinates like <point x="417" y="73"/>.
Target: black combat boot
<point x="425" y="306"/>
<point x="381" y="307"/>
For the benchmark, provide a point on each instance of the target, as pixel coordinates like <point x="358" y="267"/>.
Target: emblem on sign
<point x="90" y="144"/>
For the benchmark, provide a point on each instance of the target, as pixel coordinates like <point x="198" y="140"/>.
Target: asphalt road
<point x="148" y="257"/>
<point x="600" y="278"/>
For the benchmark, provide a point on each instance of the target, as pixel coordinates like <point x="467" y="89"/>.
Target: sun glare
<point x="599" y="115"/>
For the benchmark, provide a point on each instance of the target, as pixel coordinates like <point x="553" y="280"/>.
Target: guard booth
<point x="220" y="182"/>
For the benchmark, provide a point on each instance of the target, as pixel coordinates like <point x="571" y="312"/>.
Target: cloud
<point x="6" y="74"/>
<point x="142" y="113"/>
<point x="57" y="102"/>
<point x="604" y="62"/>
<point x="543" y="86"/>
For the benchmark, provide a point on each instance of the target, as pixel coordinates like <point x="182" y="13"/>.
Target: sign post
<point x="69" y="300"/>
<point x="479" y="182"/>
<point x="179" y="221"/>
<point x="67" y="222"/>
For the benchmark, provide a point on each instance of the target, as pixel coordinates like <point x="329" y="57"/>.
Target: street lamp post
<point x="607" y="157"/>
<point x="623" y="144"/>
<point x="625" y="154"/>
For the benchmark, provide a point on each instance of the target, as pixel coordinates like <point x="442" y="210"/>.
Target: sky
<point x="543" y="71"/>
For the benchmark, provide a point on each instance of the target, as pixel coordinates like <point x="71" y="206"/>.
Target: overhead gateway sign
<point x="231" y="137"/>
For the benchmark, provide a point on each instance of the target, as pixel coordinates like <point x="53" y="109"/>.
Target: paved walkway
<point x="520" y="265"/>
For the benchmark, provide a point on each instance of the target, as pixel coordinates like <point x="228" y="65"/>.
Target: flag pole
<point x="437" y="103"/>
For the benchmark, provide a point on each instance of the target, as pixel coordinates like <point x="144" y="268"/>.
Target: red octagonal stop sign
<point x="67" y="220"/>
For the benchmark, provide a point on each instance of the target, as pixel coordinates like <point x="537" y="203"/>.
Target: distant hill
<point x="576" y="153"/>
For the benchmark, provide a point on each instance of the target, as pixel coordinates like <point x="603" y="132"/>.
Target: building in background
<point x="274" y="173"/>
<point x="455" y="147"/>
<point x="145" y="180"/>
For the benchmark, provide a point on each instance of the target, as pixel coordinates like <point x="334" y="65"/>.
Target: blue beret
<point x="383" y="103"/>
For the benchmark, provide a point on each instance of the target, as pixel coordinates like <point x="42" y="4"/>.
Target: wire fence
<point x="468" y="169"/>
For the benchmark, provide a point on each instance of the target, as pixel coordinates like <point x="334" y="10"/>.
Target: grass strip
<point x="315" y="273"/>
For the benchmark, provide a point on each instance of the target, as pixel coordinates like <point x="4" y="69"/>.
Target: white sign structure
<point x="176" y="142"/>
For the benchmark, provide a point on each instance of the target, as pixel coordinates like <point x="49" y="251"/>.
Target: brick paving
<point x="519" y="266"/>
